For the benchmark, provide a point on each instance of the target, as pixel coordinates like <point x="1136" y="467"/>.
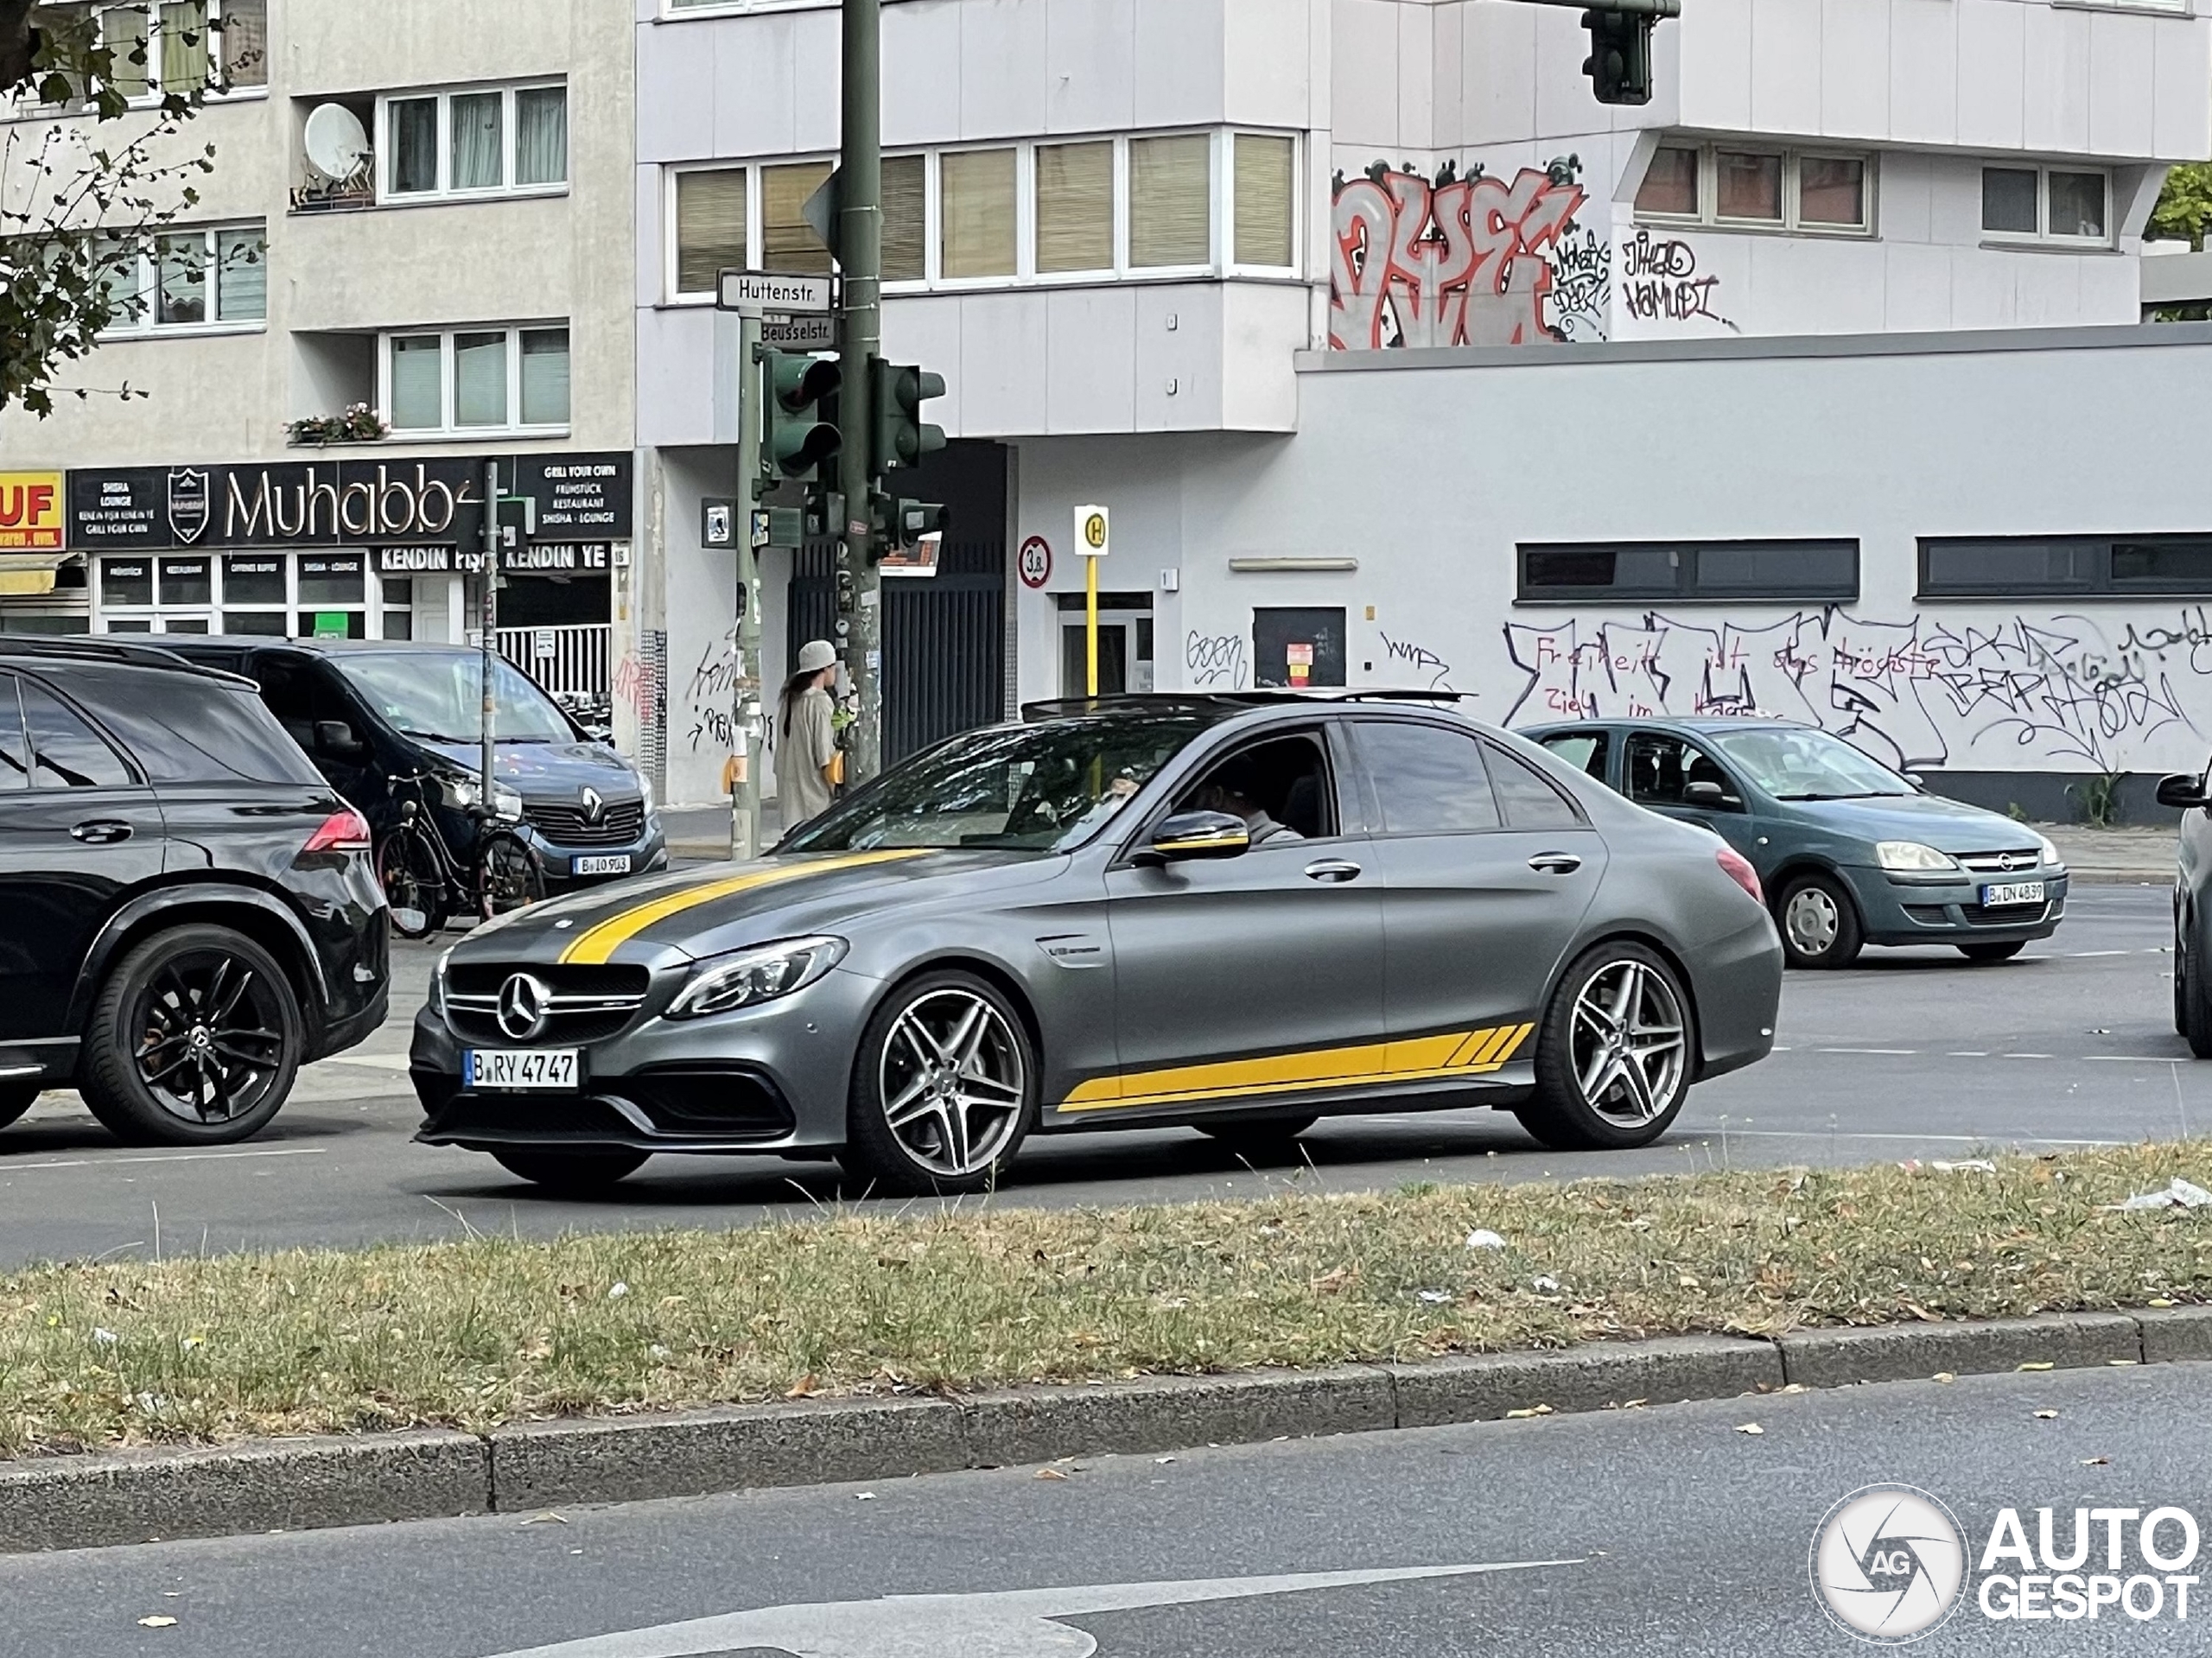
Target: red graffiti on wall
<point x="1457" y="263"/>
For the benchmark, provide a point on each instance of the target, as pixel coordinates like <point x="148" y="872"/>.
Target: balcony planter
<point x="359" y="424"/>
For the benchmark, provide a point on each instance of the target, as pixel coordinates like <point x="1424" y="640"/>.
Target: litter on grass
<point x="1484" y="1238"/>
<point x="2182" y="1194"/>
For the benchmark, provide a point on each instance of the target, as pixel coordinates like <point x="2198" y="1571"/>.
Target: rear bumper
<point x="1950" y="912"/>
<point x="1737" y="981"/>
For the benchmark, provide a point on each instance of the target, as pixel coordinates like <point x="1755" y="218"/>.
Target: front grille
<point x="720" y="1103"/>
<point x="589" y="1004"/>
<point x="562" y="822"/>
<point x="2017" y="862"/>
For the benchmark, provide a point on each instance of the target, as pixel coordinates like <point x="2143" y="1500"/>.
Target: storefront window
<point x="331" y="578"/>
<point x="185" y="582"/>
<point x="126" y="581"/>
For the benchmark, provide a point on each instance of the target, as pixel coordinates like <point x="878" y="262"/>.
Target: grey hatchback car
<point x="1849" y="852"/>
<point x="1237" y="912"/>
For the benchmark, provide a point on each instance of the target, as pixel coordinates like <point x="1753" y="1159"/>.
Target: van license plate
<point x="615" y="863"/>
<point x="520" y="1071"/>
<point x="2012" y="891"/>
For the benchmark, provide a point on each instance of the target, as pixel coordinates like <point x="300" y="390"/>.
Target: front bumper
<point x="770" y="1079"/>
<point x="1948" y="909"/>
<point x="647" y="853"/>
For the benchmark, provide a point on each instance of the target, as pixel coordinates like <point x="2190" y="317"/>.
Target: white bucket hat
<point x="816" y="654"/>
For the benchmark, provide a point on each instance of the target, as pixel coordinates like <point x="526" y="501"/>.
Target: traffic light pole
<point x="860" y="248"/>
<point x="747" y="724"/>
<point x="488" y="616"/>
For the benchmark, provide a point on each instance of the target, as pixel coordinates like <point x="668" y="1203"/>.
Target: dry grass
<point x="477" y="1333"/>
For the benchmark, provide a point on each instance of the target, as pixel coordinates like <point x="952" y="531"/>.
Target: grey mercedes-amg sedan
<point x="1241" y="912"/>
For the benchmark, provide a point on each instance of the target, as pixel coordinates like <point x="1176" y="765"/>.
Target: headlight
<point x="437" y="996"/>
<point x="458" y="791"/>
<point x="761" y="974"/>
<point x="1910" y="854"/>
<point x="507" y="803"/>
<point x="2051" y="854"/>
<point x="646" y="791"/>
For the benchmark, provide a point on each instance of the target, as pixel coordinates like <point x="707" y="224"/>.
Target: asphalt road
<point x="1914" y="1053"/>
<point x="1667" y="1530"/>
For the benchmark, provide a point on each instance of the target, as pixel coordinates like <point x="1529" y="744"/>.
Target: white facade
<point x="1620" y="308"/>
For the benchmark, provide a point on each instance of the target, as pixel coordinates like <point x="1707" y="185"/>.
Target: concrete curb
<point x="98" y="1501"/>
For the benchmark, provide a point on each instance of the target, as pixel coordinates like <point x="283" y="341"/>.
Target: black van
<point x="388" y="722"/>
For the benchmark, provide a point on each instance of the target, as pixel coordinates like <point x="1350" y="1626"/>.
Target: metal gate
<point x="943" y="635"/>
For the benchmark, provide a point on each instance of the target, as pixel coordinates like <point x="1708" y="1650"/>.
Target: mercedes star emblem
<point x="526" y="1002"/>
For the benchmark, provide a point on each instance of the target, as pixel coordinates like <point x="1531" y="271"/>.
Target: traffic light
<point x="900" y="524"/>
<point x="902" y="438"/>
<point x="799" y="433"/>
<point x="1619" y="64"/>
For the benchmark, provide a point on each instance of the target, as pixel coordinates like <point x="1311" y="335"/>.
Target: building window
<point x="1589" y="573"/>
<point x="2045" y="204"/>
<point x="476" y="142"/>
<point x="1966" y="567"/>
<point x="477" y="381"/>
<point x="1171" y="201"/>
<point x="1075" y="206"/>
<point x="709" y="226"/>
<point x="1265" y="202"/>
<point x="187" y="280"/>
<point x="1724" y="185"/>
<point x="177" y="46"/>
<point x="275" y="593"/>
<point x="787" y="241"/>
<point x="976" y="197"/>
<point x="905" y="243"/>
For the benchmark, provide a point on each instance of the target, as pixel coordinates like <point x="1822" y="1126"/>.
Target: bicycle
<point x="423" y="880"/>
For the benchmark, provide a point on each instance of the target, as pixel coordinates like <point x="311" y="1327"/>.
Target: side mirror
<point x="336" y="737"/>
<point x="1915" y="779"/>
<point x="1704" y="793"/>
<point x="1199" y="834"/>
<point x="2184" y="791"/>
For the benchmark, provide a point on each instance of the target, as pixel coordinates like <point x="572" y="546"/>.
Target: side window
<point x="1281" y="787"/>
<point x="14" y="759"/>
<point x="1661" y="770"/>
<point x="1585" y="751"/>
<point x="286" y="693"/>
<point x="1528" y="796"/>
<point x="1428" y="780"/>
<point x="66" y="753"/>
<point x="186" y="729"/>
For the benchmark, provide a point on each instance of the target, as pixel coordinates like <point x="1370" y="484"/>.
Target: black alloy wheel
<point x="1615" y="1053"/>
<point x="1984" y="955"/>
<point x="571" y="1174"/>
<point x="413" y="885"/>
<point x="16" y="1098"/>
<point x="194" y="1041"/>
<point x="507" y="875"/>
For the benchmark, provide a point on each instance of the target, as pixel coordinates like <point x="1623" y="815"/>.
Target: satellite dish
<point x="336" y="144"/>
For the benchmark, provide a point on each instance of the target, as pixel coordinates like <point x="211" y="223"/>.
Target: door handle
<point x="100" y="831"/>
<point x="1332" y="869"/>
<point x="1555" y="863"/>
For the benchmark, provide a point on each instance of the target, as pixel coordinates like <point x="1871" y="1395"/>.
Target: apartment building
<point x="1815" y="386"/>
<point x="418" y="210"/>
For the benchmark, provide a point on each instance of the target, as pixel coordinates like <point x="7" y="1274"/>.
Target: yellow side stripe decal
<point x="1408" y="1060"/>
<point x="597" y="945"/>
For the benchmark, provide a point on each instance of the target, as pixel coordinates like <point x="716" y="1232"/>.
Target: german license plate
<point x="520" y="1071"/>
<point x="615" y="863"/>
<point x="2012" y="891"/>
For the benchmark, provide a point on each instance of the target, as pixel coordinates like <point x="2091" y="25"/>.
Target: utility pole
<point x="487" y="613"/>
<point x="859" y="253"/>
<point x="746" y="709"/>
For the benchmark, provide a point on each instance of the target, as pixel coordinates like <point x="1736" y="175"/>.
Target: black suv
<point x="188" y="911"/>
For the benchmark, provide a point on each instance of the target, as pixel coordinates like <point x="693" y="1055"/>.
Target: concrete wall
<point x="1429" y="468"/>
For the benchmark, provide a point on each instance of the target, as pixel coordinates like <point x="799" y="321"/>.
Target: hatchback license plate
<point x="520" y="1071"/>
<point x="613" y="863"/>
<point x="2012" y="891"/>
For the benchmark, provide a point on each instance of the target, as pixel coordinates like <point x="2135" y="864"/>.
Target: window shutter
<point x="787" y="241"/>
<point x="1075" y="206"/>
<point x="1265" y="199"/>
<point x="1171" y="201"/>
<point x="976" y="203"/>
<point x="710" y="227"/>
<point x="906" y="231"/>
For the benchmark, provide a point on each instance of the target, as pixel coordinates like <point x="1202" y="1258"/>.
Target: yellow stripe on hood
<point x="597" y="946"/>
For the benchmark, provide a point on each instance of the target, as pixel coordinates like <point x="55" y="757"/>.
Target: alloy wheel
<point x="952" y="1082"/>
<point x="211" y="1041"/>
<point x="1629" y="1043"/>
<point x="1812" y="921"/>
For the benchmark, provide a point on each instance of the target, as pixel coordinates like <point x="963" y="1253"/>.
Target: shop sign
<point x="437" y="500"/>
<point x="30" y="513"/>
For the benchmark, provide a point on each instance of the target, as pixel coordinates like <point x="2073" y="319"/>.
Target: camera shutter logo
<point x="187" y="503"/>
<point x="1889" y="1564"/>
<point x="524" y="1004"/>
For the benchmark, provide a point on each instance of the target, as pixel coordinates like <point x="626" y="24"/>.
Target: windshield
<point x="1792" y="764"/>
<point x="439" y="696"/>
<point x="1046" y="787"/>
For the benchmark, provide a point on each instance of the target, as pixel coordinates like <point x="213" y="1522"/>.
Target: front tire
<point x="16" y="1098"/>
<point x="571" y="1174"/>
<point x="1983" y="954"/>
<point x="2192" y="995"/>
<point x="1614" y="1053"/>
<point x="194" y="1041"/>
<point x="1819" y="923"/>
<point x="944" y="1088"/>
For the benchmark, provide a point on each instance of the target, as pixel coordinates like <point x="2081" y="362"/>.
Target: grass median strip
<point x="478" y="1333"/>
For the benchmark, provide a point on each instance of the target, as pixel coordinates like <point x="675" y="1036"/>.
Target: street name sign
<point x="814" y="331"/>
<point x="773" y="290"/>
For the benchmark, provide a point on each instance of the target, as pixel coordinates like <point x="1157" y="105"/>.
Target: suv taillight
<point x="1738" y="869"/>
<point x="344" y="831"/>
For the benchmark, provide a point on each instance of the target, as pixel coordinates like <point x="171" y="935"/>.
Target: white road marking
<point x="2084" y="954"/>
<point x="1895" y="1050"/>
<point x="1941" y="1140"/>
<point x="1960" y="1053"/>
<point x="2120" y="1058"/>
<point x="174" y="1157"/>
<point x="2030" y="1056"/>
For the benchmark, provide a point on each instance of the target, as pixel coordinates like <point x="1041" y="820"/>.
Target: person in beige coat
<point x="808" y="758"/>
